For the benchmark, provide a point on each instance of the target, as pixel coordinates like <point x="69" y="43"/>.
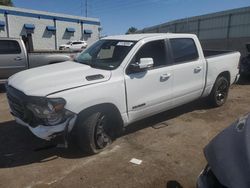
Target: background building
<point x="223" y="30"/>
<point x="43" y="30"/>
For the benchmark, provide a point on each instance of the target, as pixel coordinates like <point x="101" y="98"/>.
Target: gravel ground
<point x="170" y="146"/>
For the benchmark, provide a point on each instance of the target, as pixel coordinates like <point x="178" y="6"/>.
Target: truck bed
<point x="210" y="53"/>
<point x="219" y="62"/>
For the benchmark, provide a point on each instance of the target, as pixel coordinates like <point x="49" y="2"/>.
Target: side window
<point x="9" y="47"/>
<point x="184" y="49"/>
<point x="74" y="43"/>
<point x="155" y="50"/>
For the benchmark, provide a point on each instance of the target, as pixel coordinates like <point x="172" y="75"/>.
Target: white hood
<point x="44" y="80"/>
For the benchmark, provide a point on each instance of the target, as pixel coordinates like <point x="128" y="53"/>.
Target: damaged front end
<point x="228" y="157"/>
<point x="45" y="117"/>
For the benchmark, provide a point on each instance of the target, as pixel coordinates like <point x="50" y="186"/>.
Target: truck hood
<point x="45" y="80"/>
<point x="228" y="154"/>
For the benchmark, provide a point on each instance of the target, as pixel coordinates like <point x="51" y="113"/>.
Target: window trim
<point x="167" y="57"/>
<point x="19" y="51"/>
<point x="172" y="52"/>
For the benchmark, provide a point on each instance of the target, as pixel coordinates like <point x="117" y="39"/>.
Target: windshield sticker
<point x="124" y="44"/>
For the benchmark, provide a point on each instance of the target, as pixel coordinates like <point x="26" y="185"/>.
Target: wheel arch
<point x="106" y="107"/>
<point x="208" y="89"/>
<point x="225" y="74"/>
<point x="212" y="96"/>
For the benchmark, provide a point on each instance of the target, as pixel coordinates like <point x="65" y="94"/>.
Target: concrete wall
<point x="15" y="18"/>
<point x="223" y="30"/>
<point x="42" y="39"/>
<point x="63" y="36"/>
<point x="94" y="36"/>
<point x="3" y="32"/>
<point x="227" y="44"/>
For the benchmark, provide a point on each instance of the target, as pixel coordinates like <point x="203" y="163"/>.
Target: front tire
<point x="219" y="92"/>
<point x="94" y="133"/>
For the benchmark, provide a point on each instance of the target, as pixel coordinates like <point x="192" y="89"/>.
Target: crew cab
<point x="116" y="81"/>
<point x="15" y="58"/>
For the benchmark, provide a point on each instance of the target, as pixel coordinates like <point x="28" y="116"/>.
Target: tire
<point x="94" y="132"/>
<point x="219" y="93"/>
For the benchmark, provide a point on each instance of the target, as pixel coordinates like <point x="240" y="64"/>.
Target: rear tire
<point x="219" y="93"/>
<point x="94" y="133"/>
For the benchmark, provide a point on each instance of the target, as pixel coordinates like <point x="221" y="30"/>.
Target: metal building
<point x="44" y="30"/>
<point x="223" y="30"/>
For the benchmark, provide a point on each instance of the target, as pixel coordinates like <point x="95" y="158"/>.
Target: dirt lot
<point x="170" y="145"/>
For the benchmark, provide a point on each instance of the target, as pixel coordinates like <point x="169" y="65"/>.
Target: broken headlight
<point x="50" y="111"/>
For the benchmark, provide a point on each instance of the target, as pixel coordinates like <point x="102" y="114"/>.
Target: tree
<point x="131" y="30"/>
<point x="6" y="3"/>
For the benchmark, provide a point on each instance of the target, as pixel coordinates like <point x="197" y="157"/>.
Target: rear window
<point x="9" y="47"/>
<point x="184" y="50"/>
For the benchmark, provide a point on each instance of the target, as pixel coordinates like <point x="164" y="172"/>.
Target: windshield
<point x="106" y="54"/>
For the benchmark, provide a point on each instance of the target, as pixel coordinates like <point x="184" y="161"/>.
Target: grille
<point x="16" y="107"/>
<point x="17" y="103"/>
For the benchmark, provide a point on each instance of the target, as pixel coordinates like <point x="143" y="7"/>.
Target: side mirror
<point x="143" y="65"/>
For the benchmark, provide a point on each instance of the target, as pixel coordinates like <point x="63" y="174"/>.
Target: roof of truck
<point x="137" y="37"/>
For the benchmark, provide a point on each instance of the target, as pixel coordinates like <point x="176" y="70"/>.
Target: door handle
<point x="18" y="59"/>
<point x="165" y="77"/>
<point x="197" y="69"/>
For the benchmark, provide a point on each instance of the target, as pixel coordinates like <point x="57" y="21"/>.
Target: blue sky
<point x="118" y="15"/>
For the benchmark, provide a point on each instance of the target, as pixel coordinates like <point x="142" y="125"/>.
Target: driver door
<point x="150" y="91"/>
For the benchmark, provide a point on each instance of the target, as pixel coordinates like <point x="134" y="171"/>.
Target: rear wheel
<point x="219" y="92"/>
<point x="94" y="132"/>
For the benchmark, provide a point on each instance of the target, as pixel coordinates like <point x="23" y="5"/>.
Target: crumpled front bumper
<point x="49" y="132"/>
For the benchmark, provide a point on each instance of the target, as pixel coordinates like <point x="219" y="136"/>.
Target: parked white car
<point x="74" y="46"/>
<point x="117" y="81"/>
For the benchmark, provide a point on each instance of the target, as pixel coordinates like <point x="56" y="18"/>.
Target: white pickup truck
<point x="117" y="81"/>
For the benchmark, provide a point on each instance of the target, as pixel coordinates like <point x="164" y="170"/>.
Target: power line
<point x="120" y="6"/>
<point x="86" y="8"/>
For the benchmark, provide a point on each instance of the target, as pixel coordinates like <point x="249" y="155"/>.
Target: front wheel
<point x="219" y="92"/>
<point x="94" y="132"/>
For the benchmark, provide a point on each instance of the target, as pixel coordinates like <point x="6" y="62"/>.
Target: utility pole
<point x="86" y="8"/>
<point x="81" y="7"/>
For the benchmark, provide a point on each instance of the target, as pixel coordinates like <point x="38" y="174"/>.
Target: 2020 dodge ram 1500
<point x="117" y="81"/>
<point x="15" y="58"/>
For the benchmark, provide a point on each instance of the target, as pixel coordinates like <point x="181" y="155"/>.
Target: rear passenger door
<point x="188" y="70"/>
<point x="12" y="59"/>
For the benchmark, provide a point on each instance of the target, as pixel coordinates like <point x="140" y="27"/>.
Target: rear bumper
<point x="50" y="132"/>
